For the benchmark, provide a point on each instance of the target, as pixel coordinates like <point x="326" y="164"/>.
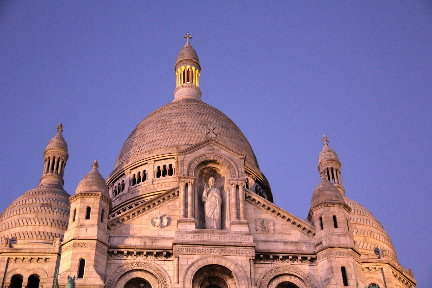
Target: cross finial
<point x="60" y="128"/>
<point x="187" y="36"/>
<point x="95" y="164"/>
<point x="325" y="140"/>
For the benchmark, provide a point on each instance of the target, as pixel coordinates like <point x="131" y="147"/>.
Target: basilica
<point x="187" y="205"/>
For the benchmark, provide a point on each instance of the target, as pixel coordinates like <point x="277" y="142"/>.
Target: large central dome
<point x="179" y="125"/>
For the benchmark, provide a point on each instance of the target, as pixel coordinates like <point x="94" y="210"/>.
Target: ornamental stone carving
<point x="160" y="221"/>
<point x="264" y="225"/>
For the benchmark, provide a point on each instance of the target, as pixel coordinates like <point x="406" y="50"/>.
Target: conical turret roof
<point x="58" y="141"/>
<point x="93" y="182"/>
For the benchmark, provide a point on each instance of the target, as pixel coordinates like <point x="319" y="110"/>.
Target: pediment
<point x="213" y="144"/>
<point x="138" y="207"/>
<point x="277" y="214"/>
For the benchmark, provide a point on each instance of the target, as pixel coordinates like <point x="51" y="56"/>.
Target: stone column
<point x="242" y="199"/>
<point x="190" y="198"/>
<point x="182" y="198"/>
<point x="233" y="201"/>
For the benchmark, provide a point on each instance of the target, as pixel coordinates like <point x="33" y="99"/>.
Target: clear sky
<point x="286" y="72"/>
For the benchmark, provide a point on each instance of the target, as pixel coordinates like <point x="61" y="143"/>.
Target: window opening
<point x="122" y="185"/>
<point x="139" y="178"/>
<point x="52" y="165"/>
<point x="347" y="224"/>
<point x="144" y="175"/>
<point x="328" y="174"/>
<point x="164" y="171"/>
<point x="102" y="215"/>
<point x="158" y="172"/>
<point x="344" y="276"/>
<point x="133" y="180"/>
<point x="74" y="215"/>
<point x="88" y="210"/>
<point x="335" y="222"/>
<point x="170" y="170"/>
<point x="33" y="281"/>
<point x="56" y="170"/>
<point x="16" y="281"/>
<point x="321" y="223"/>
<point x="81" y="268"/>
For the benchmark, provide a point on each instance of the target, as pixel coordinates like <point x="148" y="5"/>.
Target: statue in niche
<point x="212" y="205"/>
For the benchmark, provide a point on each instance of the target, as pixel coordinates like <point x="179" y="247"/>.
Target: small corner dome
<point x="58" y="141"/>
<point x="187" y="53"/>
<point x="326" y="192"/>
<point x="327" y="154"/>
<point x="93" y="182"/>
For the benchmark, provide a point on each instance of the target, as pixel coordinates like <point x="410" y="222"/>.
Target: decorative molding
<point x="135" y="254"/>
<point x="96" y="194"/>
<point x="337" y="253"/>
<point x="29" y="260"/>
<point x="275" y="211"/>
<point x="266" y="277"/>
<point x="150" y="267"/>
<point x="34" y="235"/>
<point x="285" y="258"/>
<point x="187" y="250"/>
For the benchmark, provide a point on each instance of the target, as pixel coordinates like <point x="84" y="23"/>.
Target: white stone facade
<point x="144" y="226"/>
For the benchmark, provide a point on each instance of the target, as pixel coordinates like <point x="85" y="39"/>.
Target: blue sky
<point x="285" y="72"/>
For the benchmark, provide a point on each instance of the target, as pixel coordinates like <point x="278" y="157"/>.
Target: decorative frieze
<point x="29" y="260"/>
<point x="285" y="258"/>
<point x="246" y="252"/>
<point x="224" y="238"/>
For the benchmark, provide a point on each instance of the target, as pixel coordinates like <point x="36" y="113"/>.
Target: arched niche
<point x="204" y="171"/>
<point x="137" y="281"/>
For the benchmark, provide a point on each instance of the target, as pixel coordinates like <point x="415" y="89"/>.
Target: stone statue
<point x="70" y="282"/>
<point x="212" y="205"/>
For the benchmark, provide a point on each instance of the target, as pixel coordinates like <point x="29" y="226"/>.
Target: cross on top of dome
<point x="325" y="140"/>
<point x="60" y="128"/>
<point x="187" y="36"/>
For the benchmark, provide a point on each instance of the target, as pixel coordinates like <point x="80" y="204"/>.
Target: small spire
<point x="325" y="140"/>
<point x="187" y="36"/>
<point x="95" y="164"/>
<point x="60" y="128"/>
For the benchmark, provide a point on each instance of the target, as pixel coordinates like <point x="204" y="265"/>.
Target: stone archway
<point x="286" y="273"/>
<point x="155" y="275"/>
<point x="213" y="276"/>
<point x="16" y="281"/>
<point x="239" y="276"/>
<point x="137" y="282"/>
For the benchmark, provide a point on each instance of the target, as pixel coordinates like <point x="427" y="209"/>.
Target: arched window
<point x="133" y="180"/>
<point x="144" y="176"/>
<point x="344" y="276"/>
<point x="122" y="185"/>
<point x="74" y="215"/>
<point x="139" y="178"/>
<point x="170" y="170"/>
<point x="81" y="268"/>
<point x="16" y="281"/>
<point x="33" y="281"/>
<point x="347" y="224"/>
<point x="102" y="215"/>
<point x="321" y="223"/>
<point x="158" y="172"/>
<point x="335" y="222"/>
<point x="88" y="210"/>
<point x="373" y="285"/>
